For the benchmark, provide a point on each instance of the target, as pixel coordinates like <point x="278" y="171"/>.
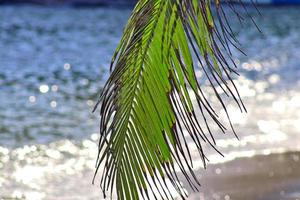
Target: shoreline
<point x="261" y="177"/>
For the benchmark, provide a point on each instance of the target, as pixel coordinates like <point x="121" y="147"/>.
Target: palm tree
<point x="147" y="103"/>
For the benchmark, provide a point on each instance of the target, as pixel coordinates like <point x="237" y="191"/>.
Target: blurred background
<point x="54" y="61"/>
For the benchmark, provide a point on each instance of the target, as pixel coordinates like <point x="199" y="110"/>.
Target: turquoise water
<point x="53" y="62"/>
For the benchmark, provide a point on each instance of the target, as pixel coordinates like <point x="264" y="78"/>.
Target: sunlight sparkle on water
<point x="252" y="65"/>
<point x="53" y="104"/>
<point x="30" y="175"/>
<point x="279" y="106"/>
<point x="32" y="99"/>
<point x="33" y="195"/>
<point x="44" y="88"/>
<point x="54" y="88"/>
<point x="236" y="116"/>
<point x="245" y="87"/>
<point x="95" y="136"/>
<point x="3" y="151"/>
<point x="274" y="78"/>
<point x="268" y="126"/>
<point x="90" y="103"/>
<point x="67" y="66"/>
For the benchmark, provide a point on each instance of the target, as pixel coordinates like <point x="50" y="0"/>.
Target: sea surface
<point x="54" y="61"/>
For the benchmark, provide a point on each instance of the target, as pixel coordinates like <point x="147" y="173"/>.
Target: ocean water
<point x="53" y="63"/>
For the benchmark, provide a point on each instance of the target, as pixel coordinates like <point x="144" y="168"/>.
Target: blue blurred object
<point x="270" y="2"/>
<point x="73" y="2"/>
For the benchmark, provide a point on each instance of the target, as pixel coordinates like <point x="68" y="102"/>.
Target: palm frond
<point x="146" y="103"/>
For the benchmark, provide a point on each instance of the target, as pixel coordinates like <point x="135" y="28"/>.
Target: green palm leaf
<point x="146" y="103"/>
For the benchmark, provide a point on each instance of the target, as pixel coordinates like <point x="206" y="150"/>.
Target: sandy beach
<point x="263" y="177"/>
